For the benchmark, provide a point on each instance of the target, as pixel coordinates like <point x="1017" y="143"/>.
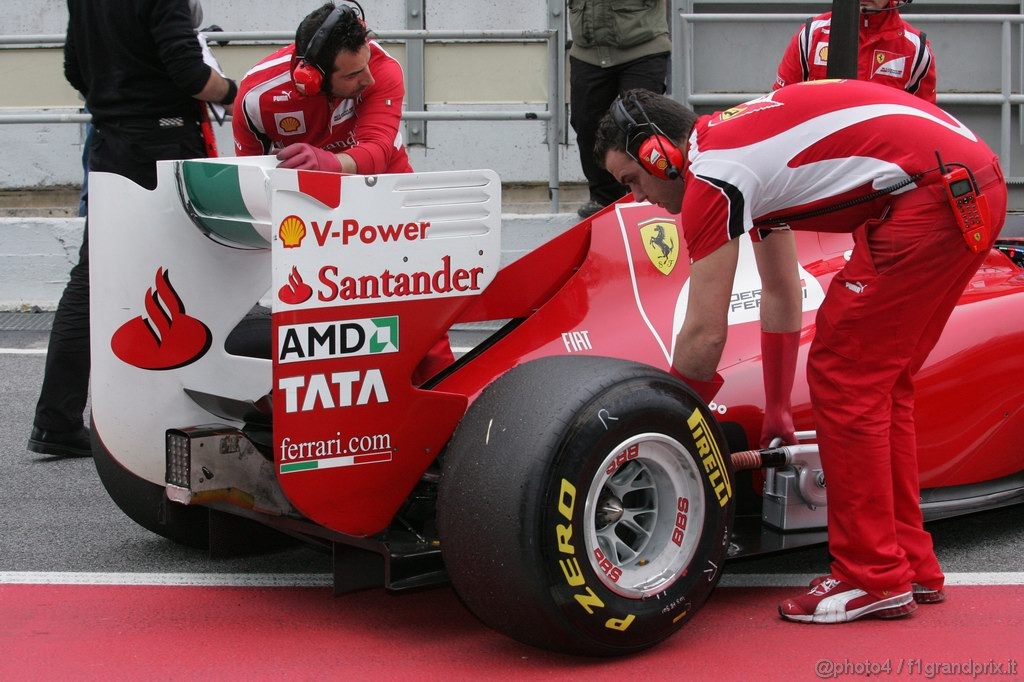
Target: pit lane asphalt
<point x="57" y="517"/>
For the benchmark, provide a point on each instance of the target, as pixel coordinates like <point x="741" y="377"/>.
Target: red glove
<point x="779" y="351"/>
<point x="304" y="156"/>
<point x="707" y="390"/>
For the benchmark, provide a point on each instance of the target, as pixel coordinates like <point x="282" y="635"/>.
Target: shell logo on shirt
<point x="821" y="55"/>
<point x="290" y="123"/>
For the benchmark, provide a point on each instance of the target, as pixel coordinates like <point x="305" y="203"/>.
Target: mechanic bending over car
<point x="890" y="52"/>
<point x="924" y="198"/>
<point x="330" y="101"/>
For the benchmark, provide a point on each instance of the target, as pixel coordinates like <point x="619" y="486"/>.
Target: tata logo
<point x="332" y="391"/>
<point x="661" y="241"/>
<point x="327" y="340"/>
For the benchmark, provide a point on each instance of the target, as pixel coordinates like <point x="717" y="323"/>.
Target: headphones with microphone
<point x="893" y="5"/>
<point x="308" y="75"/>
<point x="645" y="142"/>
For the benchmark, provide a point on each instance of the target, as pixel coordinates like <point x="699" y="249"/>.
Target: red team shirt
<point x="835" y="148"/>
<point x="366" y="128"/>
<point x="892" y="52"/>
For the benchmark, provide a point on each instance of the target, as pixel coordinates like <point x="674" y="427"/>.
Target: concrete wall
<point x="503" y="77"/>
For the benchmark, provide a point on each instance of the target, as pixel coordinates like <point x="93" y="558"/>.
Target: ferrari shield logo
<point x="751" y="107"/>
<point x="661" y="241"/>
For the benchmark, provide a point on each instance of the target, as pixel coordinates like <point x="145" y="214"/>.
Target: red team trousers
<point x="882" y="315"/>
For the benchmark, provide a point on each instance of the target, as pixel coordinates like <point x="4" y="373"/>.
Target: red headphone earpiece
<point x="660" y="157"/>
<point x="645" y="142"/>
<point x="308" y="78"/>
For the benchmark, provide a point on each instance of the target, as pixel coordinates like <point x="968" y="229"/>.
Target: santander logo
<point x="296" y="291"/>
<point x="165" y="338"/>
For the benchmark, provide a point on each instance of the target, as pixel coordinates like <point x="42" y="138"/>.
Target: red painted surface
<point x="50" y="632"/>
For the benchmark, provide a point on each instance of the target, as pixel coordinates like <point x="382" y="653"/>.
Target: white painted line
<point x="324" y="579"/>
<point x="168" y="579"/>
<point x="803" y="579"/>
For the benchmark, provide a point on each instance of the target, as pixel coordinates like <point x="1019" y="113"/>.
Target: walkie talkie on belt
<point x="969" y="205"/>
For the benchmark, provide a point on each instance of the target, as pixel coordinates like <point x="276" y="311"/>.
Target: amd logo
<point x="326" y="340"/>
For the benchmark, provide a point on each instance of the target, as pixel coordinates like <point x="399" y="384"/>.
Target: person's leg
<point x="65" y="386"/>
<point x="83" y="199"/>
<point x="58" y="424"/>
<point x="880" y="318"/>
<point x="913" y="538"/>
<point x="648" y="73"/>
<point x="852" y="403"/>
<point x="592" y="91"/>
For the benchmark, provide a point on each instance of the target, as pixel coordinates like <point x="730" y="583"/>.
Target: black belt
<point x="162" y="123"/>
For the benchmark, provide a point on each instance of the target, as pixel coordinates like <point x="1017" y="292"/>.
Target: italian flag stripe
<point x="219" y="203"/>
<point x="334" y="462"/>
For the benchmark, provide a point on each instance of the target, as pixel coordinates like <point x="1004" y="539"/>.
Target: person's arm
<point x="790" y="68"/>
<point x="378" y="117"/>
<point x="701" y="340"/>
<point x="781" y="318"/>
<point x="245" y="117"/>
<point x="218" y="89"/>
<point x="781" y="294"/>
<point x="922" y="81"/>
<point x="182" y="56"/>
<point x="72" y="71"/>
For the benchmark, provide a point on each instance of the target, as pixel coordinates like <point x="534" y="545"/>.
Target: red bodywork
<point x="969" y="397"/>
<point x="598" y="290"/>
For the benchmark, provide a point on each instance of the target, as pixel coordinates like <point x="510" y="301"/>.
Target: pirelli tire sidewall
<point x="575" y="585"/>
<point x="578" y="608"/>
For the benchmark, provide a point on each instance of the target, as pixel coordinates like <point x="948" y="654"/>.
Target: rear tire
<point x="578" y="509"/>
<point x="146" y="503"/>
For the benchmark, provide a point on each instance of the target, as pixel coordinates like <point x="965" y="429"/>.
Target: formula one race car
<point x="577" y="497"/>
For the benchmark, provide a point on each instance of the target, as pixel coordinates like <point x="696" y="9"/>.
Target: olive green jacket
<point x="612" y="32"/>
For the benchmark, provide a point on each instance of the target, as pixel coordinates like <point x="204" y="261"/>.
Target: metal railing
<point x="683" y="75"/>
<point x="414" y="69"/>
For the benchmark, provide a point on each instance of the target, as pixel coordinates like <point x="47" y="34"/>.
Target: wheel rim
<point x="644" y="515"/>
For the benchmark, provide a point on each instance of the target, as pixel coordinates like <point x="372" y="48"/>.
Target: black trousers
<point x="592" y="91"/>
<point x="131" y="150"/>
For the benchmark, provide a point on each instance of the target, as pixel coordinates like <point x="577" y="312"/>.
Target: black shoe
<point x="61" y="443"/>
<point x="590" y="208"/>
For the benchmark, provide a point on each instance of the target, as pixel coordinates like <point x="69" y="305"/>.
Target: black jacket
<point x="134" y="59"/>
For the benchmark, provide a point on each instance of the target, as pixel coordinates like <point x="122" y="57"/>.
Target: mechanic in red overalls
<point x="330" y="101"/>
<point x="891" y="52"/>
<point x="863" y="155"/>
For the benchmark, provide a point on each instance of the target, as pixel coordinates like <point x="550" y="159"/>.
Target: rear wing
<point x="364" y="274"/>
